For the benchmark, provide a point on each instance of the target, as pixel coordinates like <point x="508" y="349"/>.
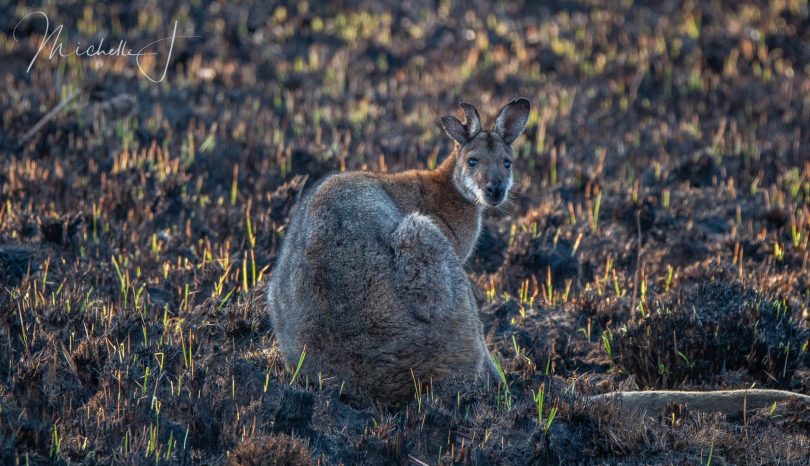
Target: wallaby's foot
<point x="422" y="261"/>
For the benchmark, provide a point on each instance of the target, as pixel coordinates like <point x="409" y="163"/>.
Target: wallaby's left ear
<point x="512" y="119"/>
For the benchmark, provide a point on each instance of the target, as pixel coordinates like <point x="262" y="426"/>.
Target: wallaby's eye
<point x="472" y="163"/>
<point x="507" y="163"/>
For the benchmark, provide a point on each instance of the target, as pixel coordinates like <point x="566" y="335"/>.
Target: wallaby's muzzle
<point x="495" y="192"/>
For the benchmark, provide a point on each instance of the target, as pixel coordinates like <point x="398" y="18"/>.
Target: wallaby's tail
<point x="423" y="266"/>
<point x="730" y="402"/>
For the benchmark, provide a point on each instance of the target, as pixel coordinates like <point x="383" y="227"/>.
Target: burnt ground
<point x="658" y="236"/>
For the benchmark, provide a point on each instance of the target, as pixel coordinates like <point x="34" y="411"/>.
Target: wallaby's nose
<point x="495" y="190"/>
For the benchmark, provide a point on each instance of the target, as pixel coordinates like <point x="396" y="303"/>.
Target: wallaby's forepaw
<point x="421" y="265"/>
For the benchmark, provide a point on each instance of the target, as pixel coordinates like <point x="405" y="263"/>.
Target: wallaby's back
<point x="373" y="293"/>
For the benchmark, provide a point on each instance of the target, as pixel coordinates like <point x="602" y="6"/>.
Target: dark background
<point x="658" y="236"/>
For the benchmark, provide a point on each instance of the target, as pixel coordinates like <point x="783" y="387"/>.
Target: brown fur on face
<point x="483" y="172"/>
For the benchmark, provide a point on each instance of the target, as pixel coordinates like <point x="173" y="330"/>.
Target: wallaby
<point x="370" y="279"/>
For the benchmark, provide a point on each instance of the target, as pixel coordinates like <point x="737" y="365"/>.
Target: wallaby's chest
<point x="462" y="235"/>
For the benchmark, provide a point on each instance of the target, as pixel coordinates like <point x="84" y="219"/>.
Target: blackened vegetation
<point x="710" y="327"/>
<point x="489" y="251"/>
<point x="272" y="449"/>
<point x="15" y="262"/>
<point x="132" y="330"/>
<point x="540" y="258"/>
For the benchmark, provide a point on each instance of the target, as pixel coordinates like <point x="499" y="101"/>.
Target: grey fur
<point x="373" y="293"/>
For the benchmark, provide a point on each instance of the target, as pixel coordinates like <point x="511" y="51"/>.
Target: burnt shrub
<point x="294" y="411"/>
<point x="15" y="261"/>
<point x="711" y="327"/>
<point x="272" y="449"/>
<point x="536" y="257"/>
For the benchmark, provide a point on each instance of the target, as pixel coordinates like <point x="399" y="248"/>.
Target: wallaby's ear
<point x="512" y="119"/>
<point x="463" y="133"/>
<point x="473" y="124"/>
<point x="454" y="129"/>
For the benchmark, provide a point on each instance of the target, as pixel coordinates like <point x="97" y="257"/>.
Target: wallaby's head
<point x="483" y="168"/>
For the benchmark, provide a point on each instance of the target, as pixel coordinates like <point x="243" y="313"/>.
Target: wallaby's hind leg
<point x="424" y="264"/>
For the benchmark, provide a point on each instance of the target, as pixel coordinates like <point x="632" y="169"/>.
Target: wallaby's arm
<point x="432" y="193"/>
<point x="730" y="402"/>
